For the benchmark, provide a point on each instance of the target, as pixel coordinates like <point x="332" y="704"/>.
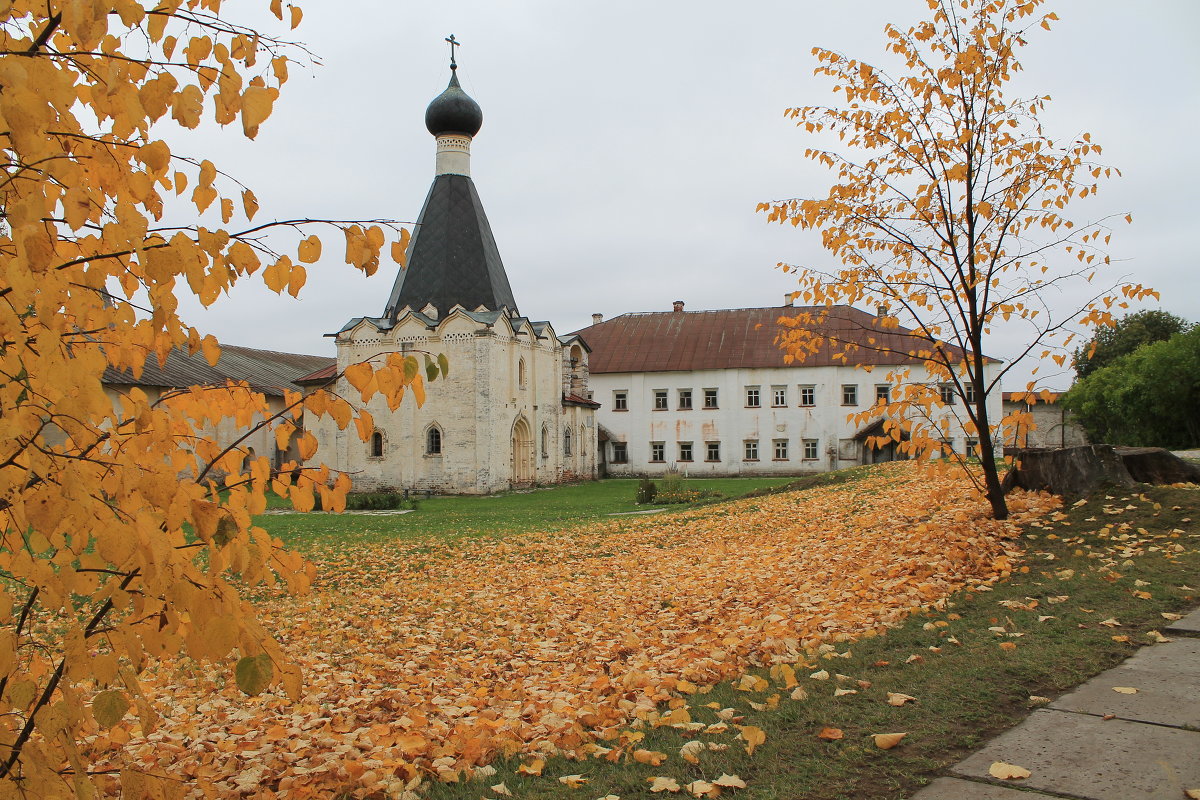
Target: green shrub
<point x="378" y="501"/>
<point x="646" y="491"/>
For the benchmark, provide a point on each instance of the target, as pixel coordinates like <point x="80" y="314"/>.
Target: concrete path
<point x="1102" y="742"/>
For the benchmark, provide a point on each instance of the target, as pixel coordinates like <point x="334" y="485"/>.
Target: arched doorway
<point x="522" y="452"/>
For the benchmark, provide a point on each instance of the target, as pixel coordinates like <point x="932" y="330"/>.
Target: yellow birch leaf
<point x="359" y="375"/>
<point x="297" y="15"/>
<point x="309" y="250"/>
<point x="663" y="784"/>
<point x="249" y="204"/>
<point x="753" y="736"/>
<point x="533" y="767"/>
<point x="109" y="708"/>
<point x="886" y="741"/>
<point x="254" y="673"/>
<point x="211" y="350"/>
<point x="730" y="781"/>
<point x="651" y="757"/>
<point x="1007" y="772"/>
<point x="573" y="781"/>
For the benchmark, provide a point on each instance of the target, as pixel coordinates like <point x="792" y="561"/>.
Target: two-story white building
<point x="711" y="393"/>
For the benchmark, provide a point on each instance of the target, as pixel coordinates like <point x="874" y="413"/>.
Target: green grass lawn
<point x="545" y="509"/>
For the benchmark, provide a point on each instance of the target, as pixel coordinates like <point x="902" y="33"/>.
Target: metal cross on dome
<point x="453" y="44"/>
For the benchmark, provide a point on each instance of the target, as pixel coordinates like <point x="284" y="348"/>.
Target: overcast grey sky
<point x="626" y="144"/>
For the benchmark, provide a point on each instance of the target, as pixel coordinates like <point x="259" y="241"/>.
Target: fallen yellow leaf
<point x="730" y="781"/>
<point x="753" y="736"/>
<point x="651" y="757"/>
<point x="1008" y="772"/>
<point x="663" y="784"/>
<point x="500" y="788"/>
<point x="886" y="741"/>
<point x="830" y="734"/>
<point x="899" y="699"/>
<point x="702" y="789"/>
<point x="1125" y="689"/>
<point x="573" y="781"/>
<point x="533" y="767"/>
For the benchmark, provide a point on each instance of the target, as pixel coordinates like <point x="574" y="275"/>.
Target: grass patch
<point x="1092" y="588"/>
<point x="448" y="516"/>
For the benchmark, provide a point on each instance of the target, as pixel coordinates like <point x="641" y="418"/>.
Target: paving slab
<point x="1084" y="756"/>
<point x="1166" y="677"/>
<point x="958" y="789"/>
<point x="1189" y="624"/>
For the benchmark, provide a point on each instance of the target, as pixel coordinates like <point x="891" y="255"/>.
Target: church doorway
<point x="522" y="452"/>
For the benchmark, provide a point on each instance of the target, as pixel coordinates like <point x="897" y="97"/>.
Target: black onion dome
<point x="454" y="111"/>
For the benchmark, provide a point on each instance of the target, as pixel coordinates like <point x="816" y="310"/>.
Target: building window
<point x="545" y="442"/>
<point x="658" y="451"/>
<point x="521" y="373"/>
<point x="969" y="392"/>
<point x="973" y="448"/>
<point x="567" y="441"/>
<point x="849" y="394"/>
<point x="620" y="453"/>
<point x="883" y="394"/>
<point x="712" y="451"/>
<point x="376" y="445"/>
<point x="621" y="401"/>
<point x="808" y="395"/>
<point x="685" y="451"/>
<point x="946" y="391"/>
<point x="710" y="398"/>
<point x="778" y="396"/>
<point x="781" y="449"/>
<point x="751" y="450"/>
<point x="685" y="399"/>
<point x="660" y="399"/>
<point x="752" y="397"/>
<point x="433" y="441"/>
<point x="811" y="449"/>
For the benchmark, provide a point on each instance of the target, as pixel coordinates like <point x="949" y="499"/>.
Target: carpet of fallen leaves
<point x="424" y="660"/>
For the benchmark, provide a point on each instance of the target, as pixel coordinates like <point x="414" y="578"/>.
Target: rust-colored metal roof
<point x="575" y="400"/>
<point x="671" y="341"/>
<point x="321" y="376"/>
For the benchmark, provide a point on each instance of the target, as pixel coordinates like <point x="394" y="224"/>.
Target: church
<point x="513" y="409"/>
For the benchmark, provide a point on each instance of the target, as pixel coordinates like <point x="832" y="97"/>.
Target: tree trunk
<point x="1080" y="471"/>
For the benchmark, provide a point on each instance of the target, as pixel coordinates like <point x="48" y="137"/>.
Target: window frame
<point x="779" y="397"/>
<point x="711" y="399"/>
<point x="750" y="450"/>
<point x="883" y="394"/>
<point x="809" y="389"/>
<point x="662" y="400"/>
<point x="661" y="447"/>
<point x="850" y="394"/>
<point x="687" y="452"/>
<point x="681" y="395"/>
<point x="620" y="452"/>
<point x="434" y="432"/>
<point x="620" y="399"/>
<point x="947" y="394"/>
<point x="712" y="449"/>
<point x="753" y="397"/>
<point x="810" y="444"/>
<point x="780" y="445"/>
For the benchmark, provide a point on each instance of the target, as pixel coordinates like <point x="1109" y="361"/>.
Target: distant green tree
<point x="1128" y="334"/>
<point x="1150" y="397"/>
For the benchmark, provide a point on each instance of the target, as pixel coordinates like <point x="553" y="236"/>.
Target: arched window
<point x="567" y="441"/>
<point x="376" y="445"/>
<point x="521" y="373"/>
<point x="545" y="441"/>
<point x="433" y="441"/>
